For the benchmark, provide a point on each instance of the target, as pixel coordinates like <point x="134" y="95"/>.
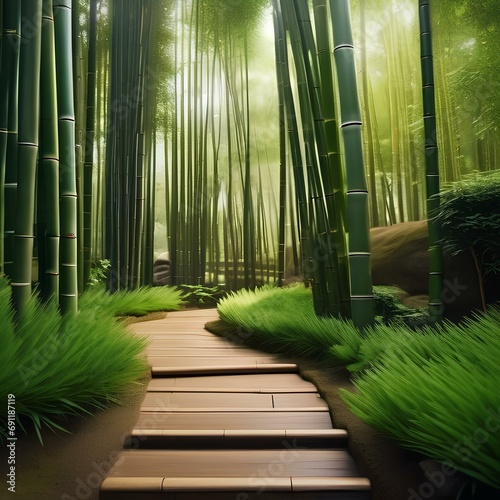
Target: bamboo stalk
<point x="362" y="302"/>
<point x="9" y="90"/>
<point x="432" y="165"/>
<point x="29" y="106"/>
<point x="283" y="163"/>
<point x="48" y="180"/>
<point x="89" y="141"/>
<point x="68" y="296"/>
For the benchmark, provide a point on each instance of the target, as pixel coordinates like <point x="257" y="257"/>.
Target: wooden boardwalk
<point x="224" y="422"/>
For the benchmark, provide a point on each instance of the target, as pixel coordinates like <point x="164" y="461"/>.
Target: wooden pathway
<point x="224" y="422"/>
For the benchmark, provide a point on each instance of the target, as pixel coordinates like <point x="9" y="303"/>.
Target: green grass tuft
<point x="57" y="368"/>
<point x="283" y="319"/>
<point x="437" y="394"/>
<point x="132" y="303"/>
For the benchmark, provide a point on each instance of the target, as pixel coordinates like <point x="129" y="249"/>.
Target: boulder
<point x="400" y="257"/>
<point x="161" y="270"/>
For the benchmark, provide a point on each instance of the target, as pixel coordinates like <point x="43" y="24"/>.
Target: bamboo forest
<point x="198" y="193"/>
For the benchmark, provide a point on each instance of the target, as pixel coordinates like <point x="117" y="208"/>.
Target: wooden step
<point x="235" y="420"/>
<point x="235" y="439"/>
<point x="334" y="462"/>
<point x="206" y="401"/>
<point x="236" y="488"/>
<point x="259" y="383"/>
<point x="162" y="368"/>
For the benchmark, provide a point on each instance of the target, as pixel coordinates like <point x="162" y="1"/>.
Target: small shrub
<point x="199" y="295"/>
<point x="99" y="272"/>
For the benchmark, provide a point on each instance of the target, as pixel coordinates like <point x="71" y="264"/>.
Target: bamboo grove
<point x="251" y="140"/>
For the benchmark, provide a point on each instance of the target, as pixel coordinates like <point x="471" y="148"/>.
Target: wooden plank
<point x="174" y="361"/>
<point x="235" y="420"/>
<point x="190" y="401"/>
<point x="234" y="463"/>
<point x="181" y="352"/>
<point x="298" y="401"/>
<point x="186" y="344"/>
<point x="259" y="383"/>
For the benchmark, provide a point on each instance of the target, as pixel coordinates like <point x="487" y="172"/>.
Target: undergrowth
<point x="132" y="302"/>
<point x="57" y="368"/>
<point x="437" y="394"/>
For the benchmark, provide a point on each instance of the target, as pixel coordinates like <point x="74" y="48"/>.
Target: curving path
<point x="224" y="422"/>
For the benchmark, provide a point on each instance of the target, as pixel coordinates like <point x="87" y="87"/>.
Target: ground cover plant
<point x="283" y="319"/>
<point x="58" y="368"/>
<point x="202" y="296"/>
<point x="137" y="302"/>
<point x="432" y="389"/>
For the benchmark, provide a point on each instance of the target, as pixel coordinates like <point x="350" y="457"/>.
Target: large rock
<point x="400" y="257"/>
<point x="161" y="270"/>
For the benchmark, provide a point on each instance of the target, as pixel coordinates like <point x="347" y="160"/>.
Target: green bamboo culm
<point x="29" y="107"/>
<point x="283" y="163"/>
<point x="68" y="294"/>
<point x="9" y="76"/>
<point x="131" y="82"/>
<point x="327" y="281"/>
<point x="48" y="172"/>
<point x="283" y="76"/>
<point x="432" y="165"/>
<point x="357" y="217"/>
<point x="89" y="141"/>
<point x="334" y="176"/>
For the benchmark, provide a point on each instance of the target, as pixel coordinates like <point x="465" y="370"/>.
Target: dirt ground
<point x="72" y="466"/>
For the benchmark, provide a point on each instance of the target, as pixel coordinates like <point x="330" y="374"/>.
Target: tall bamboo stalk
<point x="283" y="154"/>
<point x="362" y="302"/>
<point x="68" y="296"/>
<point x="127" y="148"/>
<point x="283" y="69"/>
<point x="48" y="217"/>
<point x="334" y="175"/>
<point x="89" y="141"/>
<point x="9" y="90"/>
<point x="370" y="140"/>
<point x="432" y="164"/>
<point x="29" y="106"/>
<point x="79" y="108"/>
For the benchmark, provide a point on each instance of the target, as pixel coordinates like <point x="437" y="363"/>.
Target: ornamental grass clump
<point x="437" y="394"/>
<point x="283" y="319"/>
<point x="57" y="368"/>
<point x="137" y="302"/>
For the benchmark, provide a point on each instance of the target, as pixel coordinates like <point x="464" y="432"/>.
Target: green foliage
<point x="57" y="368"/>
<point x="389" y="309"/>
<point x="200" y="295"/>
<point x="471" y="221"/>
<point x="437" y="394"/>
<point x="98" y="272"/>
<point x="283" y="319"/>
<point x="237" y="17"/>
<point x="137" y="302"/>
